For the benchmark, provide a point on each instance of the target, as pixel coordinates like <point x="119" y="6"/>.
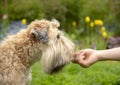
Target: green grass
<point x="101" y="73"/>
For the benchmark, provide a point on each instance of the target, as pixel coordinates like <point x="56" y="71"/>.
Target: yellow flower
<point x="103" y="29"/>
<point x="24" y="21"/>
<point x="74" y="23"/>
<point x="98" y="22"/>
<point x="104" y="34"/>
<point x="91" y="24"/>
<point x="87" y="19"/>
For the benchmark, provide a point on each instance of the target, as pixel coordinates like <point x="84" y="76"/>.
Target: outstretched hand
<point x="85" y="57"/>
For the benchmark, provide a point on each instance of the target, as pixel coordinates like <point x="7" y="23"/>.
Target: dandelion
<point x="24" y="21"/>
<point x="87" y="19"/>
<point x="104" y="34"/>
<point x="91" y="24"/>
<point x="103" y="29"/>
<point x="74" y="23"/>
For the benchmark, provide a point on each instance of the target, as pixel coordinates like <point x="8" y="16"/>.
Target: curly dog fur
<point x="40" y="41"/>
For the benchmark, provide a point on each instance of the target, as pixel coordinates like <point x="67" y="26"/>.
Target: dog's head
<point x="57" y="49"/>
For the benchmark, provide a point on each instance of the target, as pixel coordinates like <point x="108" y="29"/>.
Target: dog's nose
<point x="43" y="36"/>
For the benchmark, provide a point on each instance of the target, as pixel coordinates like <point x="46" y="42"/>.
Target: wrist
<point x="98" y="55"/>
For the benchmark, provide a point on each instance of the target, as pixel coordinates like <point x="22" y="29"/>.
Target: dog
<point x="41" y="40"/>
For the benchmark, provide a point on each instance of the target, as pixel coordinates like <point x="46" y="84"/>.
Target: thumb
<point x="83" y="62"/>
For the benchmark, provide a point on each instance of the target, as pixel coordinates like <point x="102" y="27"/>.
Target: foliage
<point x="114" y="17"/>
<point x="66" y="11"/>
<point x="115" y="6"/>
<point x="72" y="10"/>
<point x="53" y="10"/>
<point x="95" y="9"/>
<point x="70" y="13"/>
<point x="20" y="9"/>
<point x="1" y="10"/>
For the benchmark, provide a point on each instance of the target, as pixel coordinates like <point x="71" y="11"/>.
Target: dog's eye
<point x="58" y="36"/>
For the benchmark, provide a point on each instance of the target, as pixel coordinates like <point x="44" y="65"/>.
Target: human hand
<point x="85" y="57"/>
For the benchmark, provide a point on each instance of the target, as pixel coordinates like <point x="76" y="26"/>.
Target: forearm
<point x="110" y="54"/>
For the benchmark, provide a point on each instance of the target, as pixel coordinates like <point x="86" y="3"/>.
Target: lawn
<point x="101" y="73"/>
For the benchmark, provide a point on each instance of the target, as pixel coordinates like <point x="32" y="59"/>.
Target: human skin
<point x="87" y="57"/>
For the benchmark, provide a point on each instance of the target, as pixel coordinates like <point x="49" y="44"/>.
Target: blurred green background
<point x="70" y="13"/>
<point x="88" y="23"/>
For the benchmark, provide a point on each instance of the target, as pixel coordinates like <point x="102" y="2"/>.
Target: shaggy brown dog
<point x="40" y="41"/>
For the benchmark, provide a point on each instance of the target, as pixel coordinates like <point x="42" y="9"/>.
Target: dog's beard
<point x="57" y="55"/>
<point x="53" y="61"/>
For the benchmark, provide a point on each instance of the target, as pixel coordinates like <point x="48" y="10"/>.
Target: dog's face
<point x="56" y="48"/>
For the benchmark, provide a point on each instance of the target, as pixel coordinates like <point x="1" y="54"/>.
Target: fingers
<point x="81" y="58"/>
<point x="78" y="53"/>
<point x="74" y="59"/>
<point x="77" y="56"/>
<point x="84" y="58"/>
<point x="83" y="62"/>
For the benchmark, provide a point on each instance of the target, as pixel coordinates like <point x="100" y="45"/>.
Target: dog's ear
<point x="39" y="35"/>
<point x="55" y="23"/>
